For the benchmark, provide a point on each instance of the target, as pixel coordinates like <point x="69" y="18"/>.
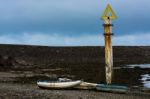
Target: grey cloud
<point x="78" y="16"/>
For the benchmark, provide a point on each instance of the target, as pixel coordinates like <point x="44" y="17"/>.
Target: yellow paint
<point x="109" y="13"/>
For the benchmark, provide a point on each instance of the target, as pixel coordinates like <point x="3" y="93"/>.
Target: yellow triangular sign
<point x="109" y="13"/>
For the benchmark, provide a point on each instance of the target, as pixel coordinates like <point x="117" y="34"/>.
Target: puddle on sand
<point x="139" y="65"/>
<point x="134" y="66"/>
<point x="145" y="79"/>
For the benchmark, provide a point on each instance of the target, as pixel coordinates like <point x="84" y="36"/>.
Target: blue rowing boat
<point x="112" y="88"/>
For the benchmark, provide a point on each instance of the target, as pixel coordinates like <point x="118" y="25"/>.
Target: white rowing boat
<point x="58" y="84"/>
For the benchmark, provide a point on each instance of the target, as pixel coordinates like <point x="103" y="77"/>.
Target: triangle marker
<point x="109" y="13"/>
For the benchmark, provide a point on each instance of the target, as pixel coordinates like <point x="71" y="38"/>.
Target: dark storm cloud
<point x="48" y="16"/>
<point x="74" y="16"/>
<point x="71" y="18"/>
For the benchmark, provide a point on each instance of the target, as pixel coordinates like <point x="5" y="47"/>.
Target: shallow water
<point x="134" y="66"/>
<point x="137" y="74"/>
<point x="145" y="79"/>
<point x="138" y="65"/>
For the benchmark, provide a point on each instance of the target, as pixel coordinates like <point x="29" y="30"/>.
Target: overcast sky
<point x="72" y="22"/>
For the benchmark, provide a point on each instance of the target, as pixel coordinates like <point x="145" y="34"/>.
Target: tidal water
<point x="145" y="80"/>
<point x="138" y="65"/>
<point x="136" y="74"/>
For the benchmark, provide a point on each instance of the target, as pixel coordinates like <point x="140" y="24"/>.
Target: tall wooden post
<point x="108" y="52"/>
<point x="108" y="43"/>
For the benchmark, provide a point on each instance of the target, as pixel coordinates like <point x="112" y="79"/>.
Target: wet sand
<point x="16" y="84"/>
<point x="31" y="91"/>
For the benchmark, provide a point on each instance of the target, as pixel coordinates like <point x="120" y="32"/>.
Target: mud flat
<point x="31" y="91"/>
<point x="21" y="66"/>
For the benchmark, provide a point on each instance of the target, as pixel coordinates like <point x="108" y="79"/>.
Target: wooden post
<point x="108" y="51"/>
<point x="107" y="17"/>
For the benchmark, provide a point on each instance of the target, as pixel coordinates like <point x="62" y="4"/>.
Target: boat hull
<point x="86" y="85"/>
<point x="112" y="88"/>
<point x="58" y="85"/>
